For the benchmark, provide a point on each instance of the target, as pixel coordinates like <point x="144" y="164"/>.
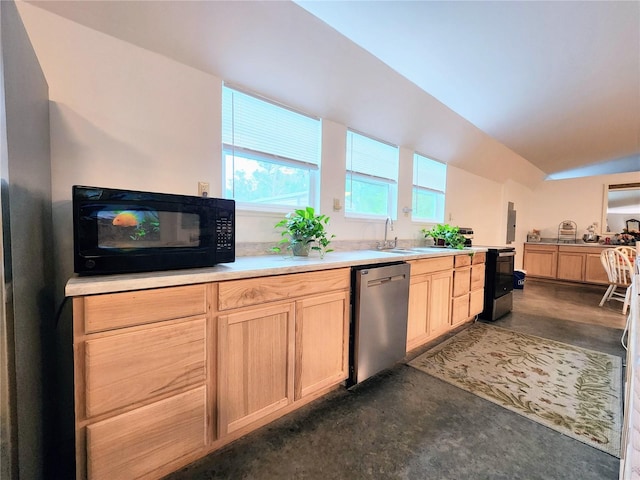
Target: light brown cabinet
<point x="429" y="299"/>
<point x="142" y="379"/>
<point x="541" y="260"/>
<point x="322" y="343"/>
<point x="164" y="376"/>
<point x="581" y="264"/>
<point x="476" y="294"/>
<point x="572" y="263"/>
<point x="594" y="272"/>
<point x="133" y="444"/>
<point x="468" y="287"/>
<point x="255" y="358"/>
<point x="287" y="341"/>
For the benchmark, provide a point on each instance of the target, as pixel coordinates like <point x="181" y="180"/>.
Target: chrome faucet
<point x="388" y="225"/>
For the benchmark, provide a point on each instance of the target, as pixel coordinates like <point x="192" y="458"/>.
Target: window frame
<point x="415" y="188"/>
<point x="313" y="190"/>
<point x="390" y="183"/>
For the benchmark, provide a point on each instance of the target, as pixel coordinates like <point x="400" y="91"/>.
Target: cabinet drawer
<point x="459" y="309"/>
<point x="476" y="302"/>
<point x="116" y="310"/>
<point x="462" y="261"/>
<point x="138" y="442"/>
<point x="477" y="276"/>
<point x="540" y="248"/>
<point x="478" y="258"/>
<point x="580" y="250"/>
<point x="129" y="368"/>
<point x="254" y="291"/>
<point x="431" y="265"/>
<point x="461" y="281"/>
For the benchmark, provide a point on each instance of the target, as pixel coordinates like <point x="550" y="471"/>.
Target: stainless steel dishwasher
<point x="380" y="303"/>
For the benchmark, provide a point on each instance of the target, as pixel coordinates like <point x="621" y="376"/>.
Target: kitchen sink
<point x="397" y="250"/>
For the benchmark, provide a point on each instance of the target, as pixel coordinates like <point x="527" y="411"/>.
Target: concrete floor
<point x="404" y="424"/>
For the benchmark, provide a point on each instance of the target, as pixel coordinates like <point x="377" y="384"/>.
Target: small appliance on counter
<point x="567" y="231"/>
<point x="534" y="236"/>
<point x="125" y="231"/>
<point x="467" y="233"/>
<point x="590" y="235"/>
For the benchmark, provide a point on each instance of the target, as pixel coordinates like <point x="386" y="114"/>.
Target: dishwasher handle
<point x="380" y="281"/>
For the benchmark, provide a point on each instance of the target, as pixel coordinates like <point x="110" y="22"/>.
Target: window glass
<point x="429" y="187"/>
<point x="372" y="177"/>
<point x="271" y="154"/>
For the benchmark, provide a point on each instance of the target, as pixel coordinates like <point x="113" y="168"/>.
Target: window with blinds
<point x="271" y="153"/>
<point x="429" y="187"/>
<point x="371" y="188"/>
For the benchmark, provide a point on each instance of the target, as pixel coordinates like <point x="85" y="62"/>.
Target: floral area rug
<point x="570" y="389"/>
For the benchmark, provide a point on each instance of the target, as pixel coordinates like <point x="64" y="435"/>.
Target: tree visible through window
<point x="271" y="154"/>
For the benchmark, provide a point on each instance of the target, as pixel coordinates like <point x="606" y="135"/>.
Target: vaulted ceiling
<point x="558" y="83"/>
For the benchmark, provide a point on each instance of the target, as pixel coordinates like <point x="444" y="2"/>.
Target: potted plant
<point x="445" y="235"/>
<point x="304" y="230"/>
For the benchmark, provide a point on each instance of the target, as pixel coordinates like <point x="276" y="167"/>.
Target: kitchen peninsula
<point x="170" y="366"/>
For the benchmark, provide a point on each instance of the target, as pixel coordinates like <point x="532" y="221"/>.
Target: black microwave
<point x="124" y="231"/>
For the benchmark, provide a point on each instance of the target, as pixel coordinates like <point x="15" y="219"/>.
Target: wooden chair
<point x="629" y="252"/>
<point x="619" y="270"/>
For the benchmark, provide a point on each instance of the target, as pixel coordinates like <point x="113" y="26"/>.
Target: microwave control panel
<point x="224" y="234"/>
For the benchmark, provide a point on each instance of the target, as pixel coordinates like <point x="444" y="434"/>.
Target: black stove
<point x="498" y="282"/>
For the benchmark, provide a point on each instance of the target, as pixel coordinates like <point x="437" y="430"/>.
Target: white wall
<point x="128" y="118"/>
<point x="121" y="117"/>
<point x="577" y="199"/>
<point x="125" y="117"/>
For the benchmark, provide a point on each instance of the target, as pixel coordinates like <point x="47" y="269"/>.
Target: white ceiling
<point x="558" y="83"/>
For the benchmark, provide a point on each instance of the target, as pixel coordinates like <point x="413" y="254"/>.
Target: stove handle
<point x="507" y="254"/>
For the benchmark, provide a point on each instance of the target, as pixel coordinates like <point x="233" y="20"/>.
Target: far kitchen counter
<point x="571" y="244"/>
<point x="571" y="262"/>
<point x="250" y="267"/>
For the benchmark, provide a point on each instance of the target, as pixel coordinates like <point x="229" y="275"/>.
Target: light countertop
<point x="249" y="267"/>
<point x="570" y="244"/>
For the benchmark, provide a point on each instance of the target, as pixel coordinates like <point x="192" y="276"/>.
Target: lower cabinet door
<point x="440" y="302"/>
<point x="571" y="266"/>
<point x="541" y="261"/>
<point x="418" y="317"/>
<point x="256" y="364"/>
<point x="140" y="441"/>
<point x="594" y="271"/>
<point x="322" y="342"/>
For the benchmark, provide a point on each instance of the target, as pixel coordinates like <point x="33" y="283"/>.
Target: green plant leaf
<point x="305" y="226"/>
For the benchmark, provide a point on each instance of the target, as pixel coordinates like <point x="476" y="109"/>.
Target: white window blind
<point x="429" y="188"/>
<point x="371" y="157"/>
<point x="255" y="124"/>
